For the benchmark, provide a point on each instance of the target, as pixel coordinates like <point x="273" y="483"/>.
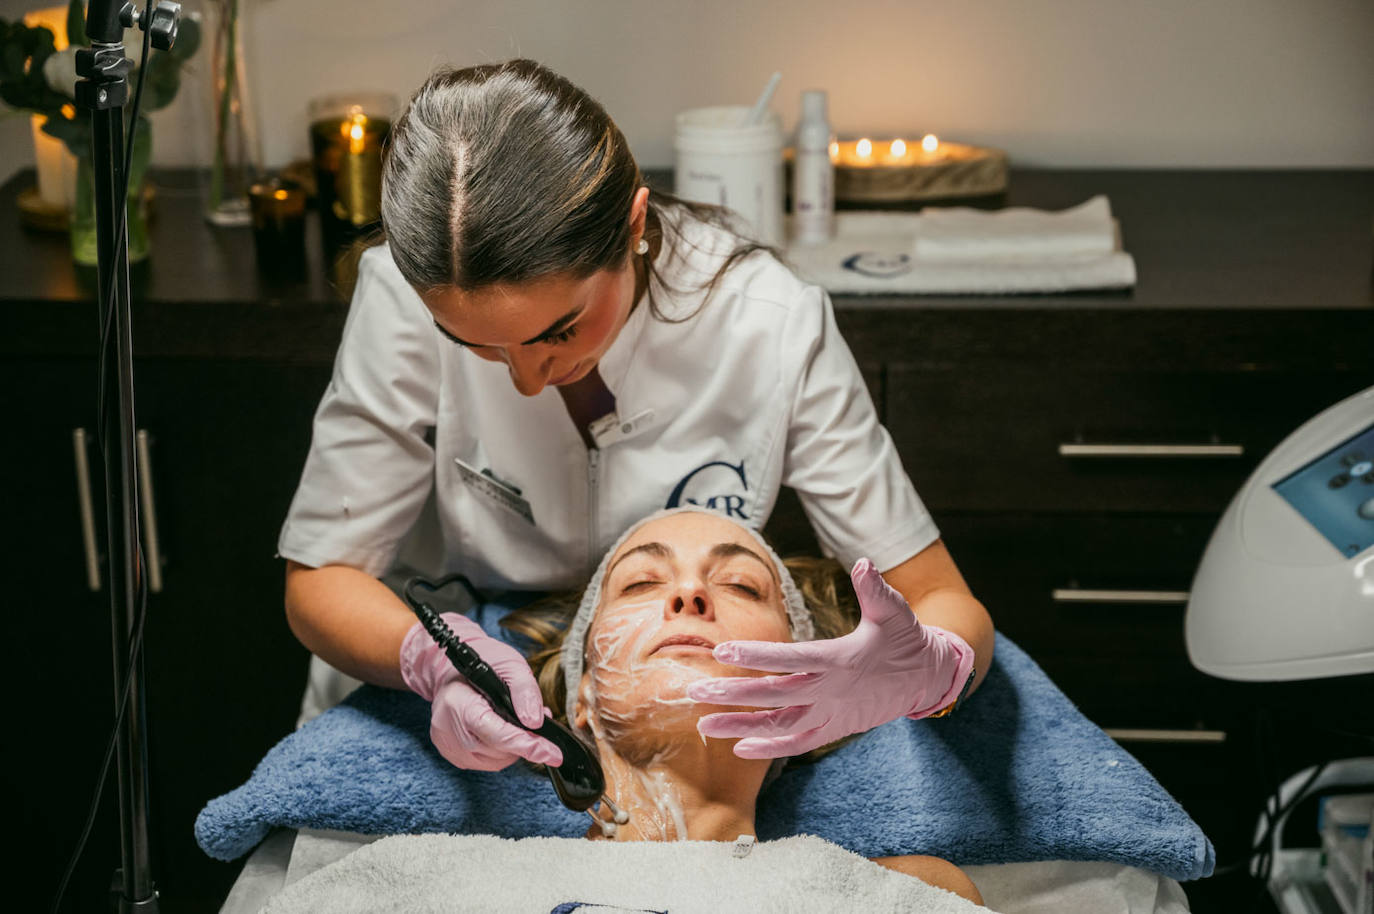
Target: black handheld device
<point x="579" y="781"/>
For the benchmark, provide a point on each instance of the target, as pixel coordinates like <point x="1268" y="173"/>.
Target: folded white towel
<point x="872" y="253"/>
<point x="490" y="874"/>
<point x="1021" y="232"/>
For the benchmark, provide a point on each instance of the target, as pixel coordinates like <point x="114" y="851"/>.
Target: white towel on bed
<point x="538" y="875"/>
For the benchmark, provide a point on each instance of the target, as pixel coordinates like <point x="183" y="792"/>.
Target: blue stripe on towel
<point x="1017" y="775"/>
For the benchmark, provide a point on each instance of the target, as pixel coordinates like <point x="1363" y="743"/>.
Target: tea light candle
<point x="278" y="210"/>
<point x="864" y="153"/>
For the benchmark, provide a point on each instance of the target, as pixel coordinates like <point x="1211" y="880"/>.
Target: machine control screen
<point x="1335" y="493"/>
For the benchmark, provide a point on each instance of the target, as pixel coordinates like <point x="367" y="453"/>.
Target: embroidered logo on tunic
<point x="717" y="485"/>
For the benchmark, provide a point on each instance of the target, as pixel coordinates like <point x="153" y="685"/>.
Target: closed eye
<point x="640" y="585"/>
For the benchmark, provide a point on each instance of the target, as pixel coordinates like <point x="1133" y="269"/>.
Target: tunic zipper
<point x="593" y="482"/>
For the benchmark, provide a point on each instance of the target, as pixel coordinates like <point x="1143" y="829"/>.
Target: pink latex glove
<point x="889" y="666"/>
<point x="464" y="727"/>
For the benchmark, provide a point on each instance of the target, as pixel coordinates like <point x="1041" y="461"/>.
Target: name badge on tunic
<point x="610" y="428"/>
<point x="499" y="491"/>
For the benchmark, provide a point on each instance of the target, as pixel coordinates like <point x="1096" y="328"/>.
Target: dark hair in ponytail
<point x="508" y="172"/>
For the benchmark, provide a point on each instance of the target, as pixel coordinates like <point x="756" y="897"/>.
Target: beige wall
<point x="1114" y="83"/>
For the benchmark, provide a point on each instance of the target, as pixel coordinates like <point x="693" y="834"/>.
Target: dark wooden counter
<point x="1202" y="240"/>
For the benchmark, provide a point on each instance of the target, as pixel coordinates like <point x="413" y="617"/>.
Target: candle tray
<point x="965" y="171"/>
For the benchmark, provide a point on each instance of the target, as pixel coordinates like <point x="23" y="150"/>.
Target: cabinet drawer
<point x="1098" y="603"/>
<point x="1069" y="584"/>
<point x="1066" y="440"/>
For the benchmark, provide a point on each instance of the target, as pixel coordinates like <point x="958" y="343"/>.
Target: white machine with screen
<point x="1285" y="589"/>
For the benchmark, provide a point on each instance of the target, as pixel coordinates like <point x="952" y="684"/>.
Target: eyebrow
<point x="655" y="549"/>
<point x="718" y="551"/>
<point x="728" y="550"/>
<point x="553" y="329"/>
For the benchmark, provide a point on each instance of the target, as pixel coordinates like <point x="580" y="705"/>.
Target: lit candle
<point x="864" y="152"/>
<point x="51" y="157"/>
<point x="930" y="147"/>
<point x="897" y="150"/>
<point x="355" y="128"/>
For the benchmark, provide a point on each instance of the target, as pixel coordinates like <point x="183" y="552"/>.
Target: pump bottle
<point x="813" y="174"/>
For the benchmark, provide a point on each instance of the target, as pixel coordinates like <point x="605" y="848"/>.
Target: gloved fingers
<point x="515" y="671"/>
<point x="525" y="694"/>
<point x="878" y="600"/>
<point x="538" y="750"/>
<point x="468" y="758"/>
<point x="783" y="746"/>
<point x="780" y="656"/>
<point x="474" y="725"/>
<point x="491" y="729"/>
<point x="757" y="691"/>
<point x="758" y="724"/>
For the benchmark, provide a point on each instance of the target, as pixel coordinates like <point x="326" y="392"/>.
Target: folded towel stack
<point x="962" y="250"/>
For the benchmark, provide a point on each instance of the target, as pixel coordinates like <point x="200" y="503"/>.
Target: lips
<point x="691" y="640"/>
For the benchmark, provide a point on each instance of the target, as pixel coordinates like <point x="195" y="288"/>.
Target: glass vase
<point x="83" y="220"/>
<point x="234" y="156"/>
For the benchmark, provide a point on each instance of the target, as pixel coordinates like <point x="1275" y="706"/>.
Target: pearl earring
<point x="641" y="246"/>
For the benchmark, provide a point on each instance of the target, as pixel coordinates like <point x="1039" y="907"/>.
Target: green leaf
<point x="188" y="38"/>
<point x="12" y="62"/>
<point x="22" y="55"/>
<point x="76" y="23"/>
<point x="163" y="80"/>
<point x="76" y="132"/>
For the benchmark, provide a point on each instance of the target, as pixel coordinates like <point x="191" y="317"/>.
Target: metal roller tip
<point x="620" y="815"/>
<point x="608" y="829"/>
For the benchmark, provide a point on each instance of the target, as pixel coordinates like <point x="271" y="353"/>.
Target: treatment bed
<point x="1040" y="808"/>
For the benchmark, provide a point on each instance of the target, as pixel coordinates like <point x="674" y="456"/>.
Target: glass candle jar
<point x="346" y="134"/>
<point x="278" y="212"/>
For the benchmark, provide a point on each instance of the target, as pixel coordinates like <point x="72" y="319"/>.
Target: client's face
<point x="674" y="590"/>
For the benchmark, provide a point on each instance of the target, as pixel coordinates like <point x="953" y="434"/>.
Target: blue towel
<point x="1018" y="774"/>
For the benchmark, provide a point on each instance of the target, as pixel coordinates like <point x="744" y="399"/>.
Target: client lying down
<point x="676" y="585"/>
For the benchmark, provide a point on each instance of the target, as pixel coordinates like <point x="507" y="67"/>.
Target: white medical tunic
<point x="425" y="456"/>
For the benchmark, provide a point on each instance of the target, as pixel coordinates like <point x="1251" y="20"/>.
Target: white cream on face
<point x="635" y="697"/>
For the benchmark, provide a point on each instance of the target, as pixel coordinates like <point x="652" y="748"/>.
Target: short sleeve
<point x="840" y="459"/>
<point x="370" y="467"/>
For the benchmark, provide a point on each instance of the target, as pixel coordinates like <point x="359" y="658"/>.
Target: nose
<point x="689" y="598"/>
<point x="528" y="370"/>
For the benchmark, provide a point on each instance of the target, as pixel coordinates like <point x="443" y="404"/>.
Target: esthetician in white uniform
<point x="543" y="353"/>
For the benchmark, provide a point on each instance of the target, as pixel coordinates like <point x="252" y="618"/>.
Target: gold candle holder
<point x="896" y="169"/>
<point x="346" y="136"/>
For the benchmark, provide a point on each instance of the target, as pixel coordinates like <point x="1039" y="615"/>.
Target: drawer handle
<point x="1131" y="735"/>
<point x="1151" y="450"/>
<point x="83" y="498"/>
<point x="145" y="503"/>
<point x="1083" y="595"/>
